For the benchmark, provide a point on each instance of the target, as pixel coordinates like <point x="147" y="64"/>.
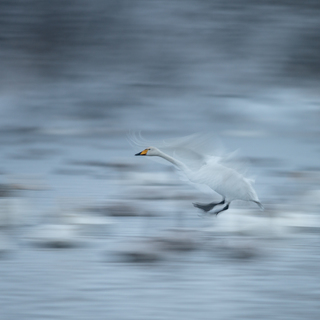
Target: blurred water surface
<point x="87" y="229"/>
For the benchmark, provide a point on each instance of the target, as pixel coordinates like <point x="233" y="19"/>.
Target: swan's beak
<point x="142" y="153"/>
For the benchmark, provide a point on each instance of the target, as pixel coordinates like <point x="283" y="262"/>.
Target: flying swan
<point x="209" y="170"/>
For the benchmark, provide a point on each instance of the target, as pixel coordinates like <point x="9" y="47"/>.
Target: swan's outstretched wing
<point x="233" y="160"/>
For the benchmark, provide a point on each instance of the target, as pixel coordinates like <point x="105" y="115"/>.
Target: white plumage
<point x="201" y="167"/>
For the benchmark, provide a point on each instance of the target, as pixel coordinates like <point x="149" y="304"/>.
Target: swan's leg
<point x="223" y="209"/>
<point x="207" y="207"/>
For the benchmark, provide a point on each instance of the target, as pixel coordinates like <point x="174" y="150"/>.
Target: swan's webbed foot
<point x="209" y="206"/>
<point x="223" y="209"/>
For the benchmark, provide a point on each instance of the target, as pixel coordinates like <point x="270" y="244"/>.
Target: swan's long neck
<point x="174" y="161"/>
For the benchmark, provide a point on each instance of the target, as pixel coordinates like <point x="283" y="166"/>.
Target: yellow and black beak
<point x="142" y="153"/>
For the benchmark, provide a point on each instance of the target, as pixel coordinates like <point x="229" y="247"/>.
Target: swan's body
<point x="227" y="182"/>
<point x="212" y="171"/>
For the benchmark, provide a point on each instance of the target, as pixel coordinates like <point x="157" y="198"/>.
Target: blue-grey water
<point x="87" y="230"/>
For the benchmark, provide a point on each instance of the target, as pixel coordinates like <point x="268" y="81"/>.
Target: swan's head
<point x="151" y="151"/>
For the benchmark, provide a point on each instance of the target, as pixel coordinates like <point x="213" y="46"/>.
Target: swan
<point x="213" y="172"/>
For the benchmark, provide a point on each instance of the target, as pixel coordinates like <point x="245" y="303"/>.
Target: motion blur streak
<point x="87" y="230"/>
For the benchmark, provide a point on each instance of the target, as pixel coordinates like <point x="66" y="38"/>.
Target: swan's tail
<point x="260" y="205"/>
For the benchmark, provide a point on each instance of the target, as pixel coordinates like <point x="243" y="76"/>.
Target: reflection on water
<point x="89" y="231"/>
